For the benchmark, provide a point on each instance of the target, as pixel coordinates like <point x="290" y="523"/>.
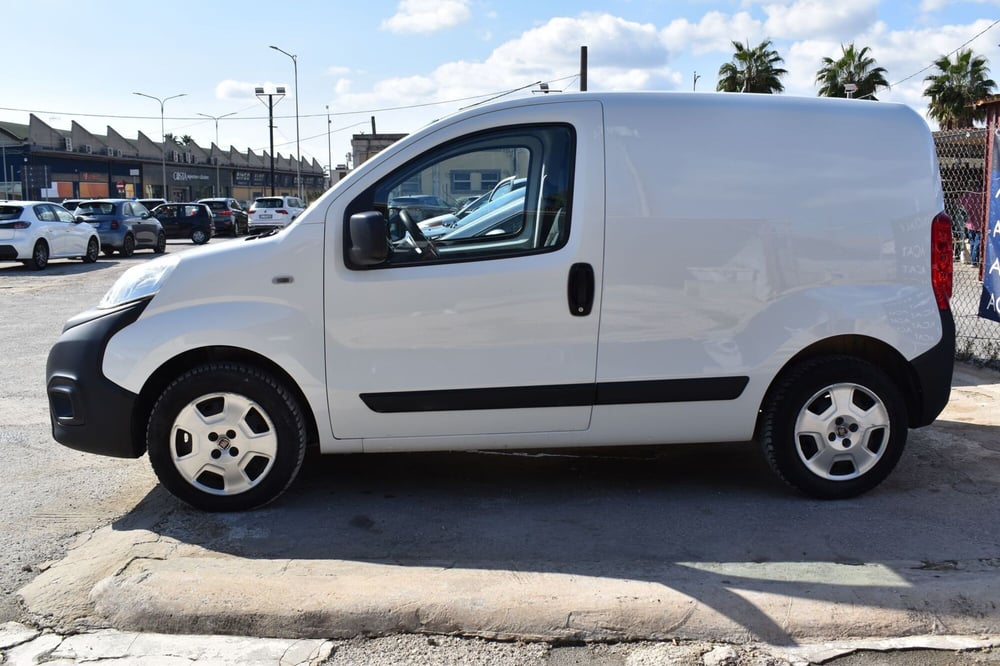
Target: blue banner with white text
<point x="990" y="299"/>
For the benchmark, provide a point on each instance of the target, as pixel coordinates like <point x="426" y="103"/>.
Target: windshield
<point x="269" y="203"/>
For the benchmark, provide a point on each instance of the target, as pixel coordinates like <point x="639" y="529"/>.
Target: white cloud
<point x="552" y="50"/>
<point x="933" y="5"/>
<point x="427" y="15"/>
<point x="820" y="18"/>
<point x="632" y="56"/>
<point x="714" y="32"/>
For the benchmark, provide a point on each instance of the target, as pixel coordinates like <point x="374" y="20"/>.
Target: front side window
<point x="64" y="215"/>
<point x="425" y="224"/>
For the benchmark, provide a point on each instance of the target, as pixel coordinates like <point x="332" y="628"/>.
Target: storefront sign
<point x="184" y="177"/>
<point x="989" y="302"/>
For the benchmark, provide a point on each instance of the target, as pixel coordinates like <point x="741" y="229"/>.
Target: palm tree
<point x="753" y="70"/>
<point x="956" y="87"/>
<point x="853" y="66"/>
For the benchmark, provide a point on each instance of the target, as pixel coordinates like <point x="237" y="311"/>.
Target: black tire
<point x="128" y="246"/>
<point x="199" y="236"/>
<point x="834" y="427"/>
<point x="238" y="462"/>
<point x="93" y="250"/>
<point x="39" y="256"/>
<point x="161" y="243"/>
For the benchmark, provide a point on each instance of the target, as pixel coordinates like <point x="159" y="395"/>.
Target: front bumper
<point x="88" y="411"/>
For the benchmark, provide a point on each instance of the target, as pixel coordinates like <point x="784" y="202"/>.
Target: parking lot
<point x="686" y="542"/>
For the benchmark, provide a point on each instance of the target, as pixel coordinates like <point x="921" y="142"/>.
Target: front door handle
<point x="580" y="289"/>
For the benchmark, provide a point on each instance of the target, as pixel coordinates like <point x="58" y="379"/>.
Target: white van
<point x="685" y="268"/>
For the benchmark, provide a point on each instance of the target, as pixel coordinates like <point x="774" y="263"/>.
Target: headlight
<point x="139" y="282"/>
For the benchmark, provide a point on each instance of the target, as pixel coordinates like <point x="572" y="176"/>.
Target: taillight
<point x="20" y="224"/>
<point x="942" y="256"/>
<point x="225" y="212"/>
<point x="252" y="210"/>
<point x="115" y="225"/>
<point x="281" y="211"/>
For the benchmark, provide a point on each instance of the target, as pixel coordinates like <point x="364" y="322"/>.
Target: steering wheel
<point x="416" y="235"/>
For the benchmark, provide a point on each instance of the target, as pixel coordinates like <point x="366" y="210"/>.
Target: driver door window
<point x="444" y="207"/>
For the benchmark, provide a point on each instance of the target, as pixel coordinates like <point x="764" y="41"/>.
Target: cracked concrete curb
<point x="23" y="645"/>
<point x="138" y="581"/>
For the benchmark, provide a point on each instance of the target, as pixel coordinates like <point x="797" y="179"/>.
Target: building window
<point x="410" y="185"/>
<point x="488" y="180"/>
<point x="461" y="181"/>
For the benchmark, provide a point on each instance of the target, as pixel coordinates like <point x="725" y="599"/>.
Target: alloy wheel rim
<point x="223" y="443"/>
<point x="842" y="432"/>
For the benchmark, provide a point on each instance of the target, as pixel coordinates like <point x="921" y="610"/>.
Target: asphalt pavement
<point x="336" y="575"/>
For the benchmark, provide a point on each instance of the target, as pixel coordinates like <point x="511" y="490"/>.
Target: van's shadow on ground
<point x="636" y="514"/>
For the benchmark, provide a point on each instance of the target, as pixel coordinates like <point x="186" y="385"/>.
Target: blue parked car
<point x="123" y="225"/>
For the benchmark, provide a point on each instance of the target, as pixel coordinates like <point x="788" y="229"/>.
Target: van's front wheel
<point x="834" y="427"/>
<point x="226" y="437"/>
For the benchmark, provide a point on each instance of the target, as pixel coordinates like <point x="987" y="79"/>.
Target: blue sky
<point x="408" y="62"/>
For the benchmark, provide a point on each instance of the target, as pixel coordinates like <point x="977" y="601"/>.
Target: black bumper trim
<point x="934" y="369"/>
<point x="88" y="411"/>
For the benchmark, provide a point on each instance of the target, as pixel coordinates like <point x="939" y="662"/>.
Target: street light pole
<point x="163" y="135"/>
<point x="218" y="187"/>
<point x="329" y="152"/>
<point x="298" y="149"/>
<point x="279" y="93"/>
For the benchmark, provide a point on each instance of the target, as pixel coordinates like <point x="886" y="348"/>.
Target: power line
<point x="199" y="119"/>
<point x="977" y="36"/>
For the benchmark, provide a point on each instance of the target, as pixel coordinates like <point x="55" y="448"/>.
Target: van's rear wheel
<point x="226" y="437"/>
<point x="834" y="427"/>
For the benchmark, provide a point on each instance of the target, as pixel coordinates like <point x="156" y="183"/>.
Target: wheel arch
<point x="874" y="351"/>
<point x="180" y="364"/>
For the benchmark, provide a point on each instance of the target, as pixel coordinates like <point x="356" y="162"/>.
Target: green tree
<point x="853" y="66"/>
<point x="753" y="70"/>
<point x="178" y="140"/>
<point x="958" y="84"/>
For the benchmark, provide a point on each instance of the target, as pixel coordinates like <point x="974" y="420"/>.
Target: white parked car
<point x="35" y="231"/>
<point x="797" y="295"/>
<point x="274" y="212"/>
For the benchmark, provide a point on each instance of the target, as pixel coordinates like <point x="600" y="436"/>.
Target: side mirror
<point x="368" y="244"/>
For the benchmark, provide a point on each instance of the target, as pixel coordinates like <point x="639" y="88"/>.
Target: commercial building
<point x="40" y="162"/>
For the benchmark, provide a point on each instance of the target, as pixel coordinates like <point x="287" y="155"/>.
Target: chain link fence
<point x="962" y="157"/>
